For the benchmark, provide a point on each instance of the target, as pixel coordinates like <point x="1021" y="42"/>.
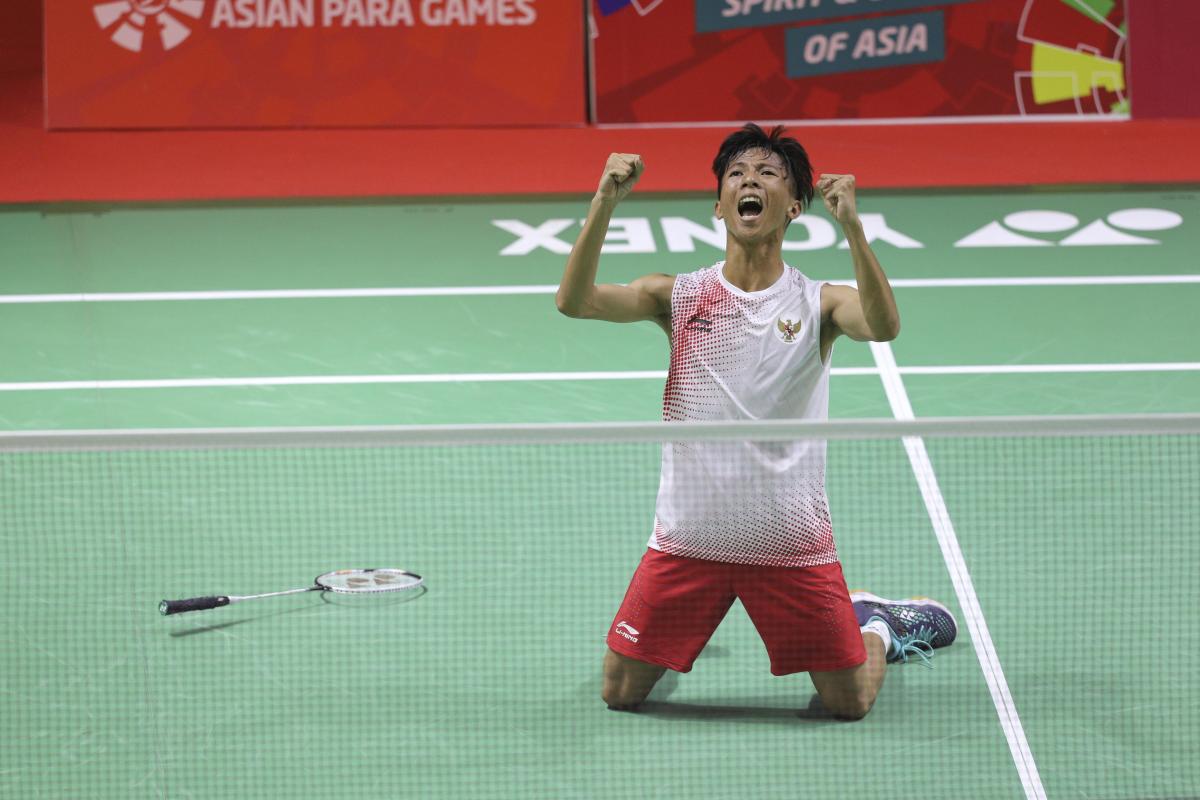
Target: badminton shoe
<point x="918" y="625"/>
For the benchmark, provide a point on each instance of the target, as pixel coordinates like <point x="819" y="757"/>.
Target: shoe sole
<point x="908" y="601"/>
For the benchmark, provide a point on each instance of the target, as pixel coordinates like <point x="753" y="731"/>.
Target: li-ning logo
<point x="698" y="323"/>
<point x="787" y="329"/>
<point x="130" y="19"/>
<point x="628" y="631"/>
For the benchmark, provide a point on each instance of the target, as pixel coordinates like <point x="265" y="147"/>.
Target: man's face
<point x="756" y="196"/>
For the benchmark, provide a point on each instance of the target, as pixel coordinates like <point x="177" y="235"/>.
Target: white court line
<point x="315" y="380"/>
<point x="1026" y="369"/>
<point x="528" y="289"/>
<point x="964" y="588"/>
<point x="499" y="377"/>
<point x="1047" y="280"/>
<point x="277" y="294"/>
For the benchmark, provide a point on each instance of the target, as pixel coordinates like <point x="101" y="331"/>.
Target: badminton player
<point x="751" y="338"/>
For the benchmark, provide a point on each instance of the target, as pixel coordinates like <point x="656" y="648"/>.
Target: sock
<point x="880" y="629"/>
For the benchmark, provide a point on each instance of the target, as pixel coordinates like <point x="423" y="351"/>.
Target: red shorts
<point x="674" y="604"/>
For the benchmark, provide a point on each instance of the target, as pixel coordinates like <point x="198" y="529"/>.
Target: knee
<point x="853" y="707"/>
<point x="620" y="698"/>
<point x="627" y="682"/>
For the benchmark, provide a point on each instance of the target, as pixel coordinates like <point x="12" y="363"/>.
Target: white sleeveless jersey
<point x="745" y="355"/>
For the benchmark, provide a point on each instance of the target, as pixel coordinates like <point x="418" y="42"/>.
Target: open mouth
<point x="749" y="207"/>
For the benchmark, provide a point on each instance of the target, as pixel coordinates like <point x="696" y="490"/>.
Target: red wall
<point x="1164" y="71"/>
<point x="517" y="63"/>
<point x="20" y="36"/>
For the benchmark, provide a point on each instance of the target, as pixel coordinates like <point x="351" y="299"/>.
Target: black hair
<point x="752" y="137"/>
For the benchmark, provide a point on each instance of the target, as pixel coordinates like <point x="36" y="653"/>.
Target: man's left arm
<point x="868" y="314"/>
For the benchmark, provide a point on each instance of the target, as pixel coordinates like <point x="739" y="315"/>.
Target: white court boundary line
<point x="964" y="588"/>
<point x="320" y="380"/>
<point x="538" y="289"/>
<point x="613" y="375"/>
<point x="1032" y="369"/>
<point x="279" y="294"/>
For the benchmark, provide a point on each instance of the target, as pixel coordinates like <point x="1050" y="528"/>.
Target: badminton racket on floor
<point x="343" y="581"/>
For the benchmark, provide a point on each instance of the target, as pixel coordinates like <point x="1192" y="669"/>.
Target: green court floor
<point x="1013" y="303"/>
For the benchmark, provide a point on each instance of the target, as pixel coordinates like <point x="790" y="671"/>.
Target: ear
<point x="717" y="210"/>
<point x="795" y="209"/>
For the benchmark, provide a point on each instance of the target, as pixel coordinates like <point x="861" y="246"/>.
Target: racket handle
<point x="192" y="604"/>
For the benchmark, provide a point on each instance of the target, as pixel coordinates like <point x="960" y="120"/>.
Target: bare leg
<point x="850" y="693"/>
<point x="627" y="681"/>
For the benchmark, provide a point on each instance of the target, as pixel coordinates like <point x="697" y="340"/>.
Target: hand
<point x="621" y="172"/>
<point x="838" y="193"/>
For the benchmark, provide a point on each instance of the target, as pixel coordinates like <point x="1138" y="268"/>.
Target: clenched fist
<point x="838" y="193"/>
<point x="621" y="172"/>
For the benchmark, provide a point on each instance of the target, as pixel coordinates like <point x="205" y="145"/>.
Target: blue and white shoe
<point x="918" y="625"/>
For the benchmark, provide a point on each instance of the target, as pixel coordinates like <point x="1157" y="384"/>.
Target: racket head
<point x="368" y="581"/>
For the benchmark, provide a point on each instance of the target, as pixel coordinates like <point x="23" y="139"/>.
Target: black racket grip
<point x="192" y="604"/>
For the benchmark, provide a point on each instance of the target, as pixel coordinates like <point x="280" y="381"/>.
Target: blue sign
<point x="612" y="6"/>
<point x="867" y="44"/>
<point x="723" y="15"/>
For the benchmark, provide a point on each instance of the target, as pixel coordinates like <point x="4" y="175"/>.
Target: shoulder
<point x="658" y="284"/>
<point x="812" y="292"/>
<point x="701" y="277"/>
<point x="657" y="287"/>
<point x="834" y="295"/>
<point x="685" y="281"/>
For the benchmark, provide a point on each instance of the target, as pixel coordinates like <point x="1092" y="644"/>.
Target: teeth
<point x="749" y="201"/>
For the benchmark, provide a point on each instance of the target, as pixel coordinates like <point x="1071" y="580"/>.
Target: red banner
<point x="710" y="60"/>
<point x="312" y="63"/>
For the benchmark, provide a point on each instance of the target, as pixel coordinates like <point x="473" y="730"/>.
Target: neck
<point x="753" y="266"/>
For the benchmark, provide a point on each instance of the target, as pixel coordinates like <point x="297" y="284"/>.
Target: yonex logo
<point x="628" y="631"/>
<point x="1033" y="228"/>
<point x="130" y="19"/>
<point x="1114" y="229"/>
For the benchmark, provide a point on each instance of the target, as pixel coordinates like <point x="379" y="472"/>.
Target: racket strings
<point x="377" y="580"/>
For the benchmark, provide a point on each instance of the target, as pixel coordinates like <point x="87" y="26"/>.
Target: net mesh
<point x="1070" y="562"/>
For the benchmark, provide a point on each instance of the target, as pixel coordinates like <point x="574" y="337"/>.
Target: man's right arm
<point x="648" y="297"/>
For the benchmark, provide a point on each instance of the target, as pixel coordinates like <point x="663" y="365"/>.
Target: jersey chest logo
<point x="787" y="330"/>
